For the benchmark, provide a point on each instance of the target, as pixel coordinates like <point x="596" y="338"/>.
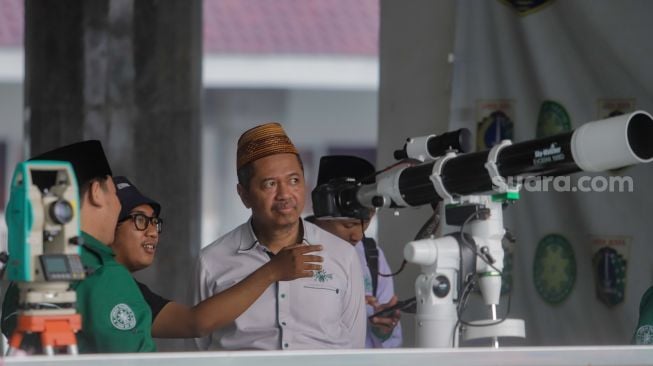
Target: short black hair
<point x="84" y="188"/>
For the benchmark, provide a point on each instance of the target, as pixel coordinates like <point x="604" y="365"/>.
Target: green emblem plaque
<point x="553" y="119"/>
<point x="554" y="268"/>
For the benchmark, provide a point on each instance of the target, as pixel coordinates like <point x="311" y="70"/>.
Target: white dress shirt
<point x="324" y="311"/>
<point x="384" y="292"/>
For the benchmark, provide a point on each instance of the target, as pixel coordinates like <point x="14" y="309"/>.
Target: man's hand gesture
<point x="294" y="262"/>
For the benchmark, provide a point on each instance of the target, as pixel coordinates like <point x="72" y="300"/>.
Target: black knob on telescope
<point x="441" y="286"/>
<point x="401" y="154"/>
<point x="378" y="201"/>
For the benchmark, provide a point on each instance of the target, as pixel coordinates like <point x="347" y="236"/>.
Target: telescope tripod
<point x="55" y="327"/>
<point x="55" y="331"/>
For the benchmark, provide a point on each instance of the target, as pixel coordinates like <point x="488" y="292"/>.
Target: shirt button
<point x="283" y="296"/>
<point x="285" y="345"/>
<point x="283" y="323"/>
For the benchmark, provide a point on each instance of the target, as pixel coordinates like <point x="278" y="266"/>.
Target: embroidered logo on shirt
<point x="644" y="335"/>
<point x="322" y="276"/>
<point x="122" y="317"/>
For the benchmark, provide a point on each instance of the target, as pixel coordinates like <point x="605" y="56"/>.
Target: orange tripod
<point x="56" y="331"/>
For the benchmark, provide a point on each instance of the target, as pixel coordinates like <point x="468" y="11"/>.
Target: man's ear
<point x="244" y="196"/>
<point x="95" y="194"/>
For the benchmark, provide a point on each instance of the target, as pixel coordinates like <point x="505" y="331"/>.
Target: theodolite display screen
<point x="59" y="267"/>
<point x="56" y="265"/>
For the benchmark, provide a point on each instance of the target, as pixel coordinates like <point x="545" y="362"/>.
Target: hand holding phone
<point x="407" y="306"/>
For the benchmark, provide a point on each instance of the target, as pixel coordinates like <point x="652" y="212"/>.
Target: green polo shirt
<point x="115" y="317"/>
<point x="644" y="331"/>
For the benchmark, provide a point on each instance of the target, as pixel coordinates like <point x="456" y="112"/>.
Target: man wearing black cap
<point x="115" y="317"/>
<point x="382" y="332"/>
<point x="135" y="244"/>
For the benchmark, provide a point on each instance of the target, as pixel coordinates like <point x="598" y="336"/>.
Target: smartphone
<point x="407" y="306"/>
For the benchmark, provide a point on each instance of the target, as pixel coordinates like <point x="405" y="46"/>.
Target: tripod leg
<point x="47" y="341"/>
<point x="49" y="350"/>
<point x="15" y="342"/>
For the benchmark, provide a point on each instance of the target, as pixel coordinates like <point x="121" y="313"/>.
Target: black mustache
<point x="284" y="204"/>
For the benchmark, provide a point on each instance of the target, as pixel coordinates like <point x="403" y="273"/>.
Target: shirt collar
<point x="96" y="245"/>
<point x="249" y="241"/>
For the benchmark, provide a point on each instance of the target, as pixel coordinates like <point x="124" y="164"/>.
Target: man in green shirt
<point x="115" y="317"/>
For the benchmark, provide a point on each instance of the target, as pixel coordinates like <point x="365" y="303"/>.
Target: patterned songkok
<point x="261" y="141"/>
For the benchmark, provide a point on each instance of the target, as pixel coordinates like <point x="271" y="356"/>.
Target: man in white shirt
<point x="325" y="309"/>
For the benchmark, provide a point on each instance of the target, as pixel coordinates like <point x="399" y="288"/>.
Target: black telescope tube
<point x="600" y="145"/>
<point x="466" y="174"/>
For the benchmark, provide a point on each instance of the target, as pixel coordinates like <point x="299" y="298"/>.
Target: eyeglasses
<point x="142" y="222"/>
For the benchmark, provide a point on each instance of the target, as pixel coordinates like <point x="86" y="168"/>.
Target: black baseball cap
<point x="131" y="197"/>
